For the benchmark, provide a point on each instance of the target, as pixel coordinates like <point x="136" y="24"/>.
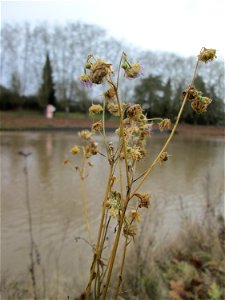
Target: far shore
<point x="17" y="122"/>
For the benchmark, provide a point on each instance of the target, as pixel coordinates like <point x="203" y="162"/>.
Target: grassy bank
<point x="190" y="268"/>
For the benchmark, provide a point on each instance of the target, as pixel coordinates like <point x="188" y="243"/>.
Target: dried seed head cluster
<point x="144" y="199"/>
<point x="85" y="134"/>
<point x="191" y="93"/>
<point x="207" y="55"/>
<point x="91" y="149"/>
<point x="165" y="124"/>
<point x="114" y="203"/>
<point x="97" y="69"/>
<point x="85" y="80"/>
<point x="95" y="109"/>
<point x="135" y="153"/>
<point x="131" y="70"/>
<point x="113" y="109"/>
<point x="164" y="157"/>
<point x="198" y="103"/>
<point x="134" y="111"/>
<point x="74" y="150"/>
<point x="110" y="94"/>
<point x="97" y="126"/>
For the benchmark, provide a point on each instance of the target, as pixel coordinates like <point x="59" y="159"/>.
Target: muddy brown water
<point x="193" y="174"/>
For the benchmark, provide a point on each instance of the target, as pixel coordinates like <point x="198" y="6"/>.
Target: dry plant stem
<point x="148" y="171"/>
<point x="97" y="253"/>
<point x="120" y="279"/>
<point x="32" y="244"/>
<point x="114" y="250"/>
<point x="124" y="148"/>
<point x="84" y="195"/>
<point x="103" y="131"/>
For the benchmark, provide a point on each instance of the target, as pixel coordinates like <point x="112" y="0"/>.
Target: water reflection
<point x="56" y="196"/>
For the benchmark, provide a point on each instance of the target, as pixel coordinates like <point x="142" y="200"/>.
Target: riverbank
<point x="11" y="121"/>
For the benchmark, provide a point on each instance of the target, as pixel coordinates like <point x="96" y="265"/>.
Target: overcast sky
<point x="180" y="26"/>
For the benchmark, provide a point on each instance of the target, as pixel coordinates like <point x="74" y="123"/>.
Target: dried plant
<point x="123" y="200"/>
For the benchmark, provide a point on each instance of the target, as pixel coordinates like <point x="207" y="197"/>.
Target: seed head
<point x="200" y="104"/>
<point x="164" y="156"/>
<point x="95" y="109"/>
<point x="207" y="54"/>
<point x="85" y="80"/>
<point x="114" y="203"/>
<point x="135" y="153"/>
<point x="86" y="134"/>
<point x="132" y="71"/>
<point x="91" y="149"/>
<point x="74" y="150"/>
<point x="192" y="93"/>
<point x="99" y="71"/>
<point x="110" y="94"/>
<point x="144" y="199"/>
<point x="113" y="109"/>
<point x="145" y="130"/>
<point x="97" y="126"/>
<point x="134" y="111"/>
<point x="165" y="124"/>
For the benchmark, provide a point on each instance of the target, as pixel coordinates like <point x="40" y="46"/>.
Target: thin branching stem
<point x="97" y="254"/>
<point x="84" y="195"/>
<point x="120" y="277"/>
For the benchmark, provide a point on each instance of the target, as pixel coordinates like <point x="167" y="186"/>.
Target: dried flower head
<point x="132" y="71"/>
<point x="200" y="104"/>
<point x="110" y="94"/>
<point x="134" y="111"/>
<point x="207" y="54"/>
<point x="99" y="71"/>
<point x="144" y="199"/>
<point x="129" y="230"/>
<point x="95" y="109"/>
<point x="145" y="130"/>
<point x="97" y="126"/>
<point x="85" y="80"/>
<point x="164" y="156"/>
<point x="91" y="149"/>
<point x="192" y="93"/>
<point x="135" y="153"/>
<point x="74" y="150"/>
<point x="113" y="109"/>
<point x="115" y="203"/>
<point x="86" y="134"/>
<point x="165" y="124"/>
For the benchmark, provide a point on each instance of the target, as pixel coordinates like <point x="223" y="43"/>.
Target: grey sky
<point x="180" y="26"/>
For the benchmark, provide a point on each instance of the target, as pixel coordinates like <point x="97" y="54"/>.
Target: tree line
<point x="41" y="64"/>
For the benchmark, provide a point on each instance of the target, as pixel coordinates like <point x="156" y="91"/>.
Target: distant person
<point x="50" y="109"/>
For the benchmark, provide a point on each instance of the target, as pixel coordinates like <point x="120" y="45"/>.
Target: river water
<point x="192" y="177"/>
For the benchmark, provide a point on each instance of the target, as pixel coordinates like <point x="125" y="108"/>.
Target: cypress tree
<point x="47" y="90"/>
